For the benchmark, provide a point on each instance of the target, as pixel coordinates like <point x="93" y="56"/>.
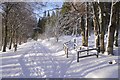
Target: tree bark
<point x="5" y="32"/>
<point x="8" y="7"/>
<point x="10" y="45"/>
<point x="0" y="32"/>
<point x="96" y="25"/>
<point x="116" y="36"/>
<point x="11" y="40"/>
<point x="20" y="39"/>
<point x="111" y="29"/>
<point x="102" y="32"/>
<point x="86" y="26"/>
<point x="118" y="24"/>
<point x="16" y="41"/>
<point x="95" y="32"/>
<point x="82" y="28"/>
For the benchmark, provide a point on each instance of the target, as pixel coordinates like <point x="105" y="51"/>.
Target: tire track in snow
<point x="60" y="67"/>
<point x="22" y="63"/>
<point x="38" y="48"/>
<point x="53" y="61"/>
<point x="45" y="51"/>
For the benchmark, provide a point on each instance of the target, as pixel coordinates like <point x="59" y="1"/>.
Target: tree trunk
<point x="95" y="32"/>
<point x="10" y="43"/>
<point x="83" y="38"/>
<point x="20" y="37"/>
<point x="5" y="33"/>
<point x="116" y="36"/>
<point x="101" y="19"/>
<point x="11" y="39"/>
<point x="82" y="28"/>
<point x="96" y="25"/>
<point x="118" y="24"/>
<point x="86" y="26"/>
<point x="111" y="30"/>
<point x="1" y="32"/>
<point x="16" y="41"/>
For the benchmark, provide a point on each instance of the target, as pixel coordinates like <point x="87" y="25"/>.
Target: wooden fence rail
<point x="87" y="50"/>
<point x="67" y="46"/>
<point x="65" y="49"/>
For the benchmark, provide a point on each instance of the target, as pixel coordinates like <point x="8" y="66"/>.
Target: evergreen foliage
<point x="66" y="7"/>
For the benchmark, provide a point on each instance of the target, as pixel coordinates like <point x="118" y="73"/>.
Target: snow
<point x="46" y="59"/>
<point x="110" y="71"/>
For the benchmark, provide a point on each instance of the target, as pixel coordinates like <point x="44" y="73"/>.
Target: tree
<point x="66" y="7"/>
<point x="118" y="24"/>
<point x="19" y="21"/>
<point x="6" y="8"/>
<point x="102" y="26"/>
<point x="96" y="24"/>
<point x="111" y="28"/>
<point x="41" y="25"/>
<point x="86" y="25"/>
<point x="0" y="30"/>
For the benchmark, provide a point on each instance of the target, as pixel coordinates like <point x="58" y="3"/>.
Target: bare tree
<point x="118" y="24"/>
<point x="0" y="31"/>
<point x="6" y="8"/>
<point x="17" y="18"/>
<point x="96" y="24"/>
<point x="111" y="28"/>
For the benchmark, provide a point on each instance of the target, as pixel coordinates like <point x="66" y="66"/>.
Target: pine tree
<point x="66" y="7"/>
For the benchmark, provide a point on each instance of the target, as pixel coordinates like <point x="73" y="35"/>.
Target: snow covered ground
<point x="46" y="59"/>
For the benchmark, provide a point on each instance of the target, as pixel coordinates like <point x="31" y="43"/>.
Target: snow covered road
<point x="33" y="61"/>
<point x="36" y="60"/>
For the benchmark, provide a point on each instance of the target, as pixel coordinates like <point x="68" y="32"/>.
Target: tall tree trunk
<point x="82" y="28"/>
<point x="118" y="24"/>
<point x="16" y="41"/>
<point x="86" y="26"/>
<point x="20" y="39"/>
<point x="11" y="40"/>
<point x="96" y="24"/>
<point x="5" y="32"/>
<point x="95" y="32"/>
<point x="111" y="29"/>
<point x="102" y="32"/>
<point x="116" y="36"/>
<point x="1" y="32"/>
<point x="10" y="45"/>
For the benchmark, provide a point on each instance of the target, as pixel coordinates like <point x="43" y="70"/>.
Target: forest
<point x="73" y="18"/>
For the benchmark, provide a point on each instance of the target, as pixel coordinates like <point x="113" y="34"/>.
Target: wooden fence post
<point x="74" y="43"/>
<point x="78" y="56"/>
<point x="98" y="51"/>
<point x="67" y="51"/>
<point x="87" y="51"/>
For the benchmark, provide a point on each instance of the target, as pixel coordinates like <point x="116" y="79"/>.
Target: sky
<point x="50" y="5"/>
